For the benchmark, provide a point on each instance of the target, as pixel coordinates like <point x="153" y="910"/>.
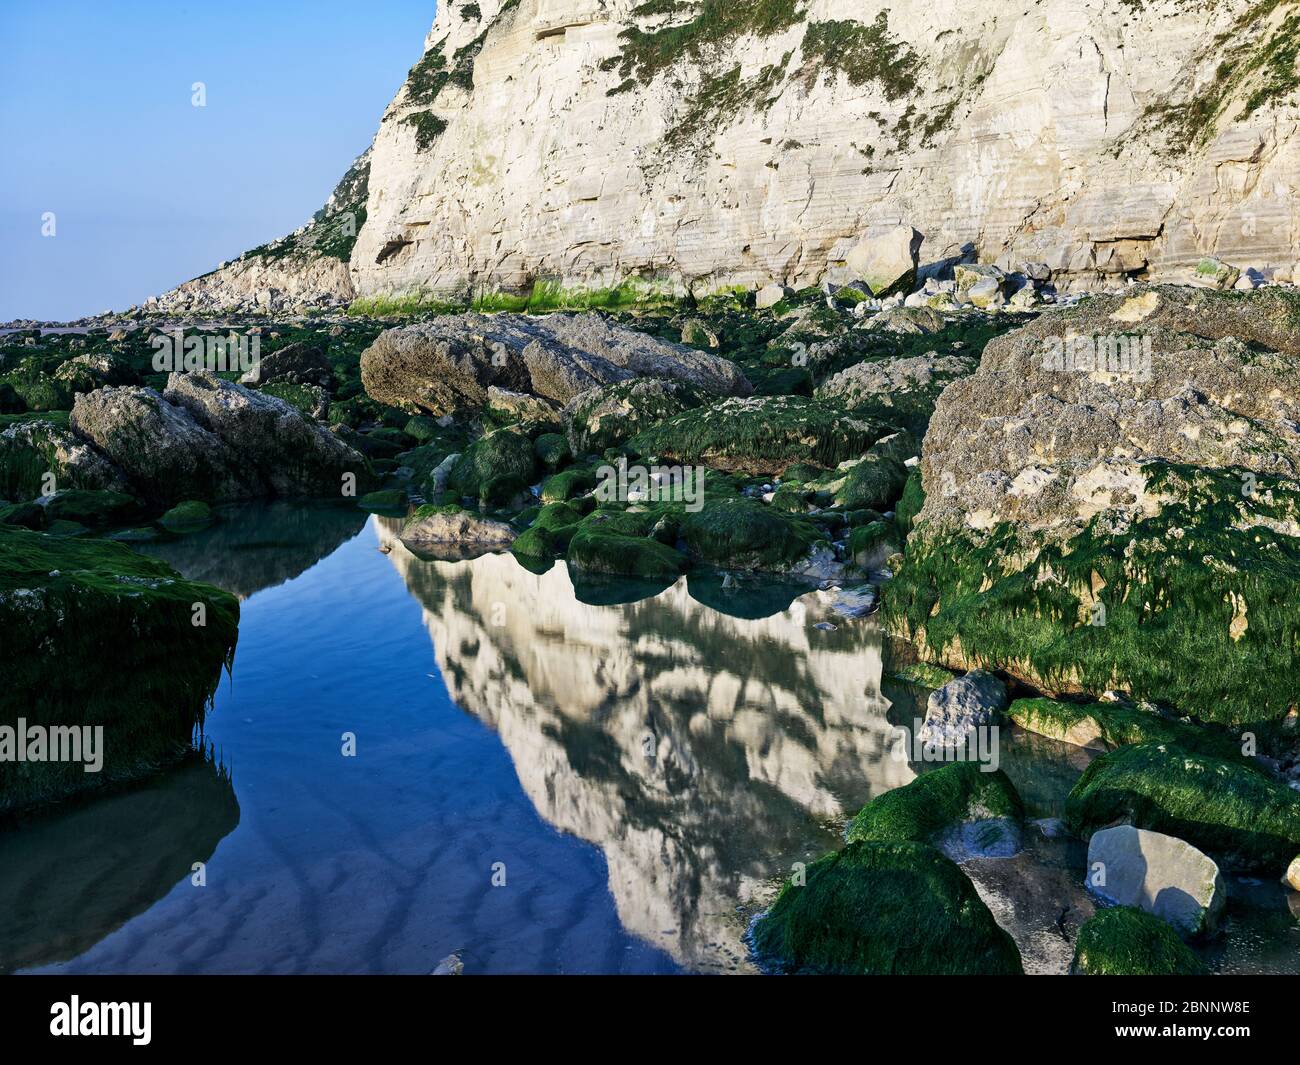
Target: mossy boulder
<point x="422" y="429"/>
<point x="745" y="534"/>
<point x="958" y="806"/>
<point x="875" y="483"/>
<point x="761" y="435"/>
<point x="871" y="544"/>
<point x="594" y="551"/>
<point x="1139" y="606"/>
<point x="34" y="451"/>
<point x="98" y="635"/>
<point x="884" y="908"/>
<point x="607" y="416"/>
<point x="93" y="508"/>
<point x="567" y="485"/>
<point x="1240" y="816"/>
<point x="1107" y="725"/>
<point x="28" y="515"/>
<point x="494" y="467"/>
<point x="551" y="449"/>
<point x="192" y="514"/>
<point x="386" y="499"/>
<point x="548" y="535"/>
<point x="1124" y="941"/>
<point x="910" y="502"/>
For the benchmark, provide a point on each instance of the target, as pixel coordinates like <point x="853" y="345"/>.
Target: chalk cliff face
<point x="713" y="143"/>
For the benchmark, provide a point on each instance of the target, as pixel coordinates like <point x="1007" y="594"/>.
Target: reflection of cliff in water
<point x="70" y="877"/>
<point x="260" y="545"/>
<point x="702" y="752"/>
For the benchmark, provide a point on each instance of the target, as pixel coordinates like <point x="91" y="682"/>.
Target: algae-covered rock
<point x="1123" y="941"/>
<point x="1209" y="576"/>
<point x="1106" y="725"/>
<point x="1113" y="499"/>
<point x="891" y="908"/>
<point x="594" y="551"/>
<point x="495" y="467"/>
<point x="94" y="508"/>
<point x="1237" y="814"/>
<point x="187" y="516"/>
<point x="874" y="484"/>
<point x="959" y="807"/>
<point x="551" y="449"/>
<point x="760" y="435"/>
<point x="39" y="456"/>
<point x="561" y="486"/>
<point x="385" y="499"/>
<point x="97" y="635"/>
<point x="745" y="534"/>
<point x="605" y="417"/>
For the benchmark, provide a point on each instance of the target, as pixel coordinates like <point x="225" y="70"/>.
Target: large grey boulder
<point x="1069" y="415"/>
<point x="167" y="456"/>
<point x="449" y="364"/>
<point x="1161" y="874"/>
<point x="952" y="713"/>
<point x="295" y="364"/>
<point x="886" y="259"/>
<point x="289" y="454"/>
<point x="211" y="439"/>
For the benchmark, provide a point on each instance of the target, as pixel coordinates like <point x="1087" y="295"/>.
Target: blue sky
<point x="97" y="126"/>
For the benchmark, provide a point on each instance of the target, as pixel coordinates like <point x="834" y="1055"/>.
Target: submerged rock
<point x="1160" y="874"/>
<point x="884" y="909"/>
<point x="1123" y="941"/>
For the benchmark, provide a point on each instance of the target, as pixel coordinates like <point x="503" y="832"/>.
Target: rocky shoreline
<point x="1080" y="518"/>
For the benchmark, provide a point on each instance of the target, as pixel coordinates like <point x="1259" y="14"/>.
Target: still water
<point x="546" y="778"/>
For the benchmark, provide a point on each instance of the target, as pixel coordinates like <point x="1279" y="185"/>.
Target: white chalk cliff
<point x="698" y="145"/>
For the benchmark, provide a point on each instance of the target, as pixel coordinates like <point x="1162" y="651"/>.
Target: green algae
<point x="891" y="908"/>
<point x="1123" y="941"/>
<point x="1236" y="813"/>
